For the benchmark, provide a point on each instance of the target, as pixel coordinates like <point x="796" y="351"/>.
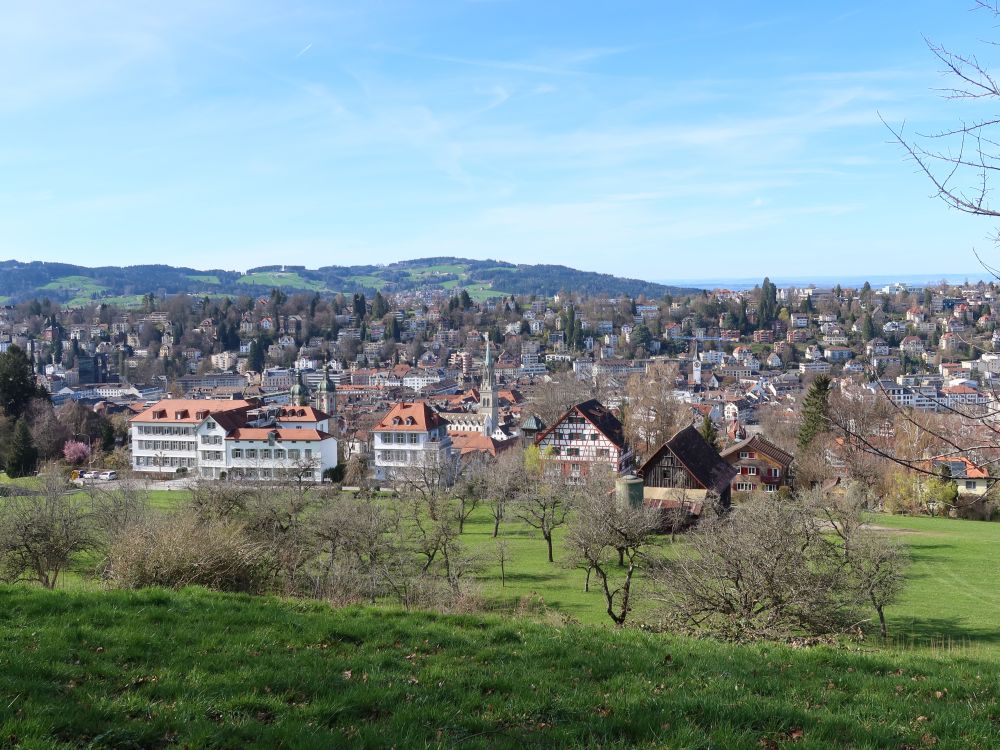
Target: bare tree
<point x="505" y="479"/>
<point x="116" y="507"/>
<point x="600" y="527"/>
<point x="652" y="413"/>
<point x="502" y="551"/>
<point x="40" y="533"/>
<point x="874" y="562"/>
<point x="544" y="506"/>
<point x="761" y="571"/>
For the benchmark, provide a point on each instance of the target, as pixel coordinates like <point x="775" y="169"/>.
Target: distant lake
<point x="918" y="280"/>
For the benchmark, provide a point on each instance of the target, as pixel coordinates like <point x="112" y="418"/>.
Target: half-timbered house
<point x="587" y="436"/>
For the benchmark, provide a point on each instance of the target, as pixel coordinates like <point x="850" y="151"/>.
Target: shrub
<point x="181" y="550"/>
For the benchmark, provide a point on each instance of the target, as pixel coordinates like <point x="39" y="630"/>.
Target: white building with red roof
<point x="410" y="438"/>
<point x="232" y="439"/>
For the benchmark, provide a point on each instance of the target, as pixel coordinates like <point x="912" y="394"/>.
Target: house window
<point x="970" y="484"/>
<point x="775" y="473"/>
<point x="770" y="488"/>
<point x="603" y="453"/>
<point x="744" y="454"/>
<point x="752" y="471"/>
<point x="265" y="453"/>
<point x="237" y="453"/>
<point x="744" y="487"/>
<point x="572" y="451"/>
<point x="307" y="453"/>
<point x="413" y="438"/>
<point x="251" y="453"/>
<point x="293" y="454"/>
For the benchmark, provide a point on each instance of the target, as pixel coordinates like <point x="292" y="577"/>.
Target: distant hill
<point x="80" y="285"/>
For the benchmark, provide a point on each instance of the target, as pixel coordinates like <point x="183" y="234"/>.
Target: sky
<point x="662" y="140"/>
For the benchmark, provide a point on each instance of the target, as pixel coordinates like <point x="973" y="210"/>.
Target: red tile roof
<point x="410" y="416"/>
<point x="187" y="410"/>
<point x="286" y="435"/>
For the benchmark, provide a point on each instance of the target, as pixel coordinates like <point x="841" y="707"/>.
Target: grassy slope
<point x="951" y="594"/>
<point x="951" y="599"/>
<point x="156" y="669"/>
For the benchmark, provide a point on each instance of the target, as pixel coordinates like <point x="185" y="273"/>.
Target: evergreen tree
<point x="708" y="431"/>
<point x="815" y="409"/>
<point x="17" y="382"/>
<point x="256" y="359"/>
<point x="379" y="306"/>
<point x="22" y="456"/>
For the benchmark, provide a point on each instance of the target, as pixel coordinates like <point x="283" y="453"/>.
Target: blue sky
<point x="664" y="140"/>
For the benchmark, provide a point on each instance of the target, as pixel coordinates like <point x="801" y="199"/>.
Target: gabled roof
<point x="410" y="416"/>
<point x="701" y="460"/>
<point x="187" y="410"/>
<point x="598" y="415"/>
<point x="301" y="414"/>
<point x="759" y="444"/>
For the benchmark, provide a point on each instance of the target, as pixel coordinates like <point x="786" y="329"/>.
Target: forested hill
<point x="81" y="285"/>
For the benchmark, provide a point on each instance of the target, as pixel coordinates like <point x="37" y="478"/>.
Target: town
<point x="364" y="388"/>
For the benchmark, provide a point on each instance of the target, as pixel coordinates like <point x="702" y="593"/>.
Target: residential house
<point x="586" y="437"/>
<point x="687" y="462"/>
<point x="761" y="465"/>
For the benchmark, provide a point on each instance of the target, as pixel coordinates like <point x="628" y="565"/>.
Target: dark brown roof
<point x="760" y="444"/>
<point x="598" y="415"/>
<point x="701" y="460"/>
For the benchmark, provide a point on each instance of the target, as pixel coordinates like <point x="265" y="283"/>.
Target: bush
<point x="181" y="550"/>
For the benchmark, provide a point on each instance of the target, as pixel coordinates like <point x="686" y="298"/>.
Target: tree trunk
<point x="496" y="526"/>
<point x="881" y="622"/>
<point x="548" y="540"/>
<point x="621" y="557"/>
<point x="586" y="585"/>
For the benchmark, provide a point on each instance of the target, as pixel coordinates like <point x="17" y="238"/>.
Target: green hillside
<point x="199" y="669"/>
<point x="79" y="286"/>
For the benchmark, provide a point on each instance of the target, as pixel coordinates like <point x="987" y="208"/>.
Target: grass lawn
<point x="197" y="669"/>
<point x="279" y="279"/>
<point x="951" y="597"/>
<point x="204" y="278"/>
<point x="950" y="601"/>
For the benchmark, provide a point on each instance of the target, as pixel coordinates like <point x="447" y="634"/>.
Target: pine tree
<point x="17" y="382"/>
<point x="815" y="409"/>
<point x="22" y="456"/>
<point x="708" y="431"/>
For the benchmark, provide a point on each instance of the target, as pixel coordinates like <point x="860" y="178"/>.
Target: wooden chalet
<point x="687" y="462"/>
<point x="761" y="466"/>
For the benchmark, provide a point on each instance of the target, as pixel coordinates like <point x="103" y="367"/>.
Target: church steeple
<point x="299" y="393"/>
<point x="488" y="393"/>
<point x="326" y="393"/>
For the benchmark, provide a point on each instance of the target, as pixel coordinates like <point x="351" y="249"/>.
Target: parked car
<point x="88" y="475"/>
<point x="107" y="476"/>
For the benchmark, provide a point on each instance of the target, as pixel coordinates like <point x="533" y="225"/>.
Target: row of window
<point x="211" y="439"/>
<point x="293" y="454"/>
<point x="601" y="452"/>
<point x="165" y="461"/>
<point x="212" y="455"/>
<point x="575" y="435"/>
<point x="399" y="438"/>
<point x="166" y="445"/>
<point x="752" y="472"/>
<point x="165" y="429"/>
<point x="750" y="487"/>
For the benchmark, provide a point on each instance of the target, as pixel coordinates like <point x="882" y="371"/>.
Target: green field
<point x="951" y="596"/>
<point x="951" y="602"/>
<point x="280" y="279"/>
<point x="198" y="669"/>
